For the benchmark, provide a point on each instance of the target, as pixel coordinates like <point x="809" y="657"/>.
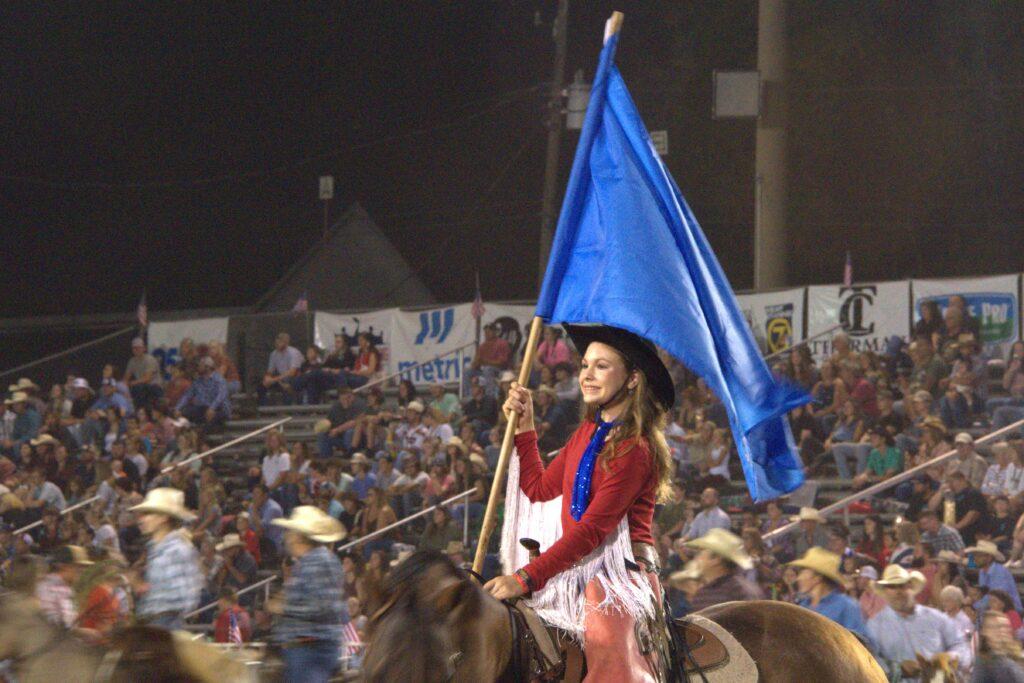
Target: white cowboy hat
<point x="726" y="545"/>
<point x="416" y="406"/>
<point x="360" y="458"/>
<point x="23" y="383"/>
<point x="458" y="443"/>
<point x="895" y="575"/>
<point x="81" y="383"/>
<point x="16" y="397"/>
<point x="402" y="557"/>
<point x="165" y="501"/>
<point x="506" y="376"/>
<point x="43" y="439"/>
<point x="314" y="524"/>
<point x="808" y="514"/>
<point x="691" y="572"/>
<point x="948" y="556"/>
<point x="478" y="460"/>
<point x="229" y="541"/>
<point x="987" y="548"/>
<point x="821" y="561"/>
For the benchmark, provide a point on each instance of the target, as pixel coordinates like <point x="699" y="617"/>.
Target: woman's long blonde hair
<point x="643" y="419"/>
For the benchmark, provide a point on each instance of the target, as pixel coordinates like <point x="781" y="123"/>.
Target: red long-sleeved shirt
<point x="626" y="487"/>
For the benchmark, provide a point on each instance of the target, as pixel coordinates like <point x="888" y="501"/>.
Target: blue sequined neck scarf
<point x="581" y="484"/>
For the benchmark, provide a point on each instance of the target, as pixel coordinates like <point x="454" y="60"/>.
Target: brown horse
<point x="42" y="653"/>
<point x="438" y="625"/>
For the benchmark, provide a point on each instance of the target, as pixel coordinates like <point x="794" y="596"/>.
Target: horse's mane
<point x="408" y="635"/>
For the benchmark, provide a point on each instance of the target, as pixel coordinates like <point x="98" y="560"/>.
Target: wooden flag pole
<point x="506" y="450"/>
<point x="611" y="27"/>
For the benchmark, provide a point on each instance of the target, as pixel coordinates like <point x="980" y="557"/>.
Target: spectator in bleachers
<point x="884" y="459"/>
<point x="970" y="508"/>
<point x="443" y="403"/>
<point x="999" y="525"/>
<point x="310" y="382"/>
<point x="228" y="611"/>
<point x="1002" y="476"/>
<point x="861" y="391"/>
<point x="552" y="350"/>
<point x="993" y="574"/>
<point x="26" y="423"/>
<point x="940" y="536"/>
<point x="493" y="355"/>
<point x="386" y="474"/>
<point x="142" y="375"/>
<point x="410" y="433"/>
<point x="481" y="410"/>
<point x="343" y="416"/>
<point x="720" y="558"/>
<point x="372" y="423"/>
<point x="367" y="363"/>
<point x="1013" y="384"/>
<point x="55" y="592"/>
<point x="409" y="487"/>
<point x="844" y="442"/>
<point x="930" y="325"/>
<point x="377" y="515"/>
<point x="872" y="543"/>
<point x="870" y="602"/>
<point x="284" y="363"/>
<point x="553" y="425"/>
<point x="263" y="510"/>
<point x="439" y="430"/>
<point x="928" y="367"/>
<point x="999" y="652"/>
<point x="237" y="567"/>
<point x="967" y="460"/>
<point x="812" y="534"/>
<point x="363" y="477"/>
<point x="339" y="361"/>
<point x="225" y="367"/>
<point x="711" y="516"/>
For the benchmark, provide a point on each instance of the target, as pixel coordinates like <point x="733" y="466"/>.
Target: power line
<point x="503" y="100"/>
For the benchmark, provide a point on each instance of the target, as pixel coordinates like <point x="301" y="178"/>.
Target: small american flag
<point x="142" y="311"/>
<point x="234" y="632"/>
<point x="478" y="309"/>
<point x="302" y="305"/>
<point x="848" y="271"/>
<point x="352" y="639"/>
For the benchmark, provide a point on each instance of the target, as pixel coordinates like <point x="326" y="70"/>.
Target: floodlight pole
<point x="554" y="124"/>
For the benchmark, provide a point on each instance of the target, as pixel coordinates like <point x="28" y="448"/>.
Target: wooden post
<point x="506" y="450"/>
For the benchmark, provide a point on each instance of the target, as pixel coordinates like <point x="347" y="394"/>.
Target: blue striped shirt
<point x="172" y="572"/>
<point x="313" y="604"/>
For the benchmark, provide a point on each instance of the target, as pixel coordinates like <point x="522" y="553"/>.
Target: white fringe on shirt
<point x="561" y="603"/>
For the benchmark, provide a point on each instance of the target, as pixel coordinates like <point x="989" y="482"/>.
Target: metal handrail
<point x="404" y="521"/>
<point x="789" y="348"/>
<point x="891" y="481"/>
<point x="390" y="527"/>
<point x="414" y="366"/>
<point x="169" y="468"/>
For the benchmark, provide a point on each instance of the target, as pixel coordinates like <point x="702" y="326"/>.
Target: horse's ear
<point x="450" y="597"/>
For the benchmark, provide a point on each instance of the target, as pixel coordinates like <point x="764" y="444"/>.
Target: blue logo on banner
<point x="436" y="325"/>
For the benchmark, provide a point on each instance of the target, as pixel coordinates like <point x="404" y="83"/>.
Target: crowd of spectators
<point x="379" y="454"/>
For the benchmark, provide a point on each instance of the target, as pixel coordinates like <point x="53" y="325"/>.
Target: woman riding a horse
<point x="598" y="578"/>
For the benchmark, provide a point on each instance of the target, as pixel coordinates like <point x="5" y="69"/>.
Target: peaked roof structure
<point x="355" y="266"/>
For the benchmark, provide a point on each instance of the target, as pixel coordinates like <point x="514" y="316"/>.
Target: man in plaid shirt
<point x="55" y="592"/>
<point x="310" y="617"/>
<point x="940" y="536"/>
<point x="173" y="580"/>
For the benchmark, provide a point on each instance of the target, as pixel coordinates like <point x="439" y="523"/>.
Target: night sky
<point x="176" y="147"/>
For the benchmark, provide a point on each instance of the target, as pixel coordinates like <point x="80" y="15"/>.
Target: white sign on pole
<point x="992" y="300"/>
<point x="659" y="138"/>
<point x="326" y="187"/>
<point x="775" y="318"/>
<point x="165" y="337"/>
<point x="870" y="313"/>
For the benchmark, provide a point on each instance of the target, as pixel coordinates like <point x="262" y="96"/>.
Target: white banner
<point x="775" y="318"/>
<point x="992" y="300"/>
<point x="165" y="337"/>
<point x="378" y="323"/>
<point x="870" y="313"/>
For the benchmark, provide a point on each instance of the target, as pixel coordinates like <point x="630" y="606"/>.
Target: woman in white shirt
<point x="1002" y="477"/>
<point x="277" y="461"/>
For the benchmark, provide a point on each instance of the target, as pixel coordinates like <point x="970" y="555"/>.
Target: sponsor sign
<point x="165" y="337"/>
<point x="869" y="313"/>
<point x="775" y="318"/>
<point x="992" y="300"/>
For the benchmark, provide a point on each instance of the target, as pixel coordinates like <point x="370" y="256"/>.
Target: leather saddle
<point x="704" y="650"/>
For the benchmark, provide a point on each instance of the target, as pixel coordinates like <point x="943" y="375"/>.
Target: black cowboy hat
<point x="639" y="352"/>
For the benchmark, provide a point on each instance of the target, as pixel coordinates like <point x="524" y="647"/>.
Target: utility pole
<point x="554" y="125"/>
<point x="770" y="166"/>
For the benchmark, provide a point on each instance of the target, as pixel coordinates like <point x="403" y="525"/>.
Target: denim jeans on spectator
<point x="312" y="663"/>
<point x="197" y="415"/>
<point x="1002" y="402"/>
<point x="310" y="386"/>
<point x="379" y="543"/>
<point x="325" y="444"/>
<point x="263" y="393"/>
<point x="843" y="452"/>
<point x="475" y="511"/>
<point x="1006" y="415"/>
<point x="146" y="395"/>
<point x="234" y="386"/>
<point x="351" y="380"/>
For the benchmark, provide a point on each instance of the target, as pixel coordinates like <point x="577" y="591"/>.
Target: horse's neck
<point x="50" y="654"/>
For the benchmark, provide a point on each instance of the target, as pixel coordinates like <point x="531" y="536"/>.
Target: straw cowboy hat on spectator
<point x="948" y="556"/>
<point x="988" y="548"/>
<point x="691" y="572"/>
<point x="416" y="406"/>
<point x="314" y="524"/>
<point x="165" y="501"/>
<point x="821" y="561"/>
<point x="360" y="459"/>
<point x="23" y="384"/>
<point x="402" y="557"/>
<point x="506" y="376"/>
<point x="17" y="397"/>
<point x="895" y="575"/>
<point x="71" y="554"/>
<point x="808" y="515"/>
<point x="478" y="460"/>
<point x="725" y="544"/>
<point x="230" y="541"/>
<point x="44" y="439"/>
<point x="458" y="443"/>
<point x="322" y="426"/>
<point x="935" y="423"/>
<point x="868" y="572"/>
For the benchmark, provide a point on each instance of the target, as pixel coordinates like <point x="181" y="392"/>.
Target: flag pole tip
<point x="613" y="25"/>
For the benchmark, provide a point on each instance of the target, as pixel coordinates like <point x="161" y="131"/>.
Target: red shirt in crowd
<point x="626" y="487"/>
<point x="223" y="623"/>
<point x="494" y="352"/>
<point x="101" y="611"/>
<point x="252" y="544"/>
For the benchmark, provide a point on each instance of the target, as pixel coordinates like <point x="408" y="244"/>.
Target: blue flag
<point x="628" y="252"/>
